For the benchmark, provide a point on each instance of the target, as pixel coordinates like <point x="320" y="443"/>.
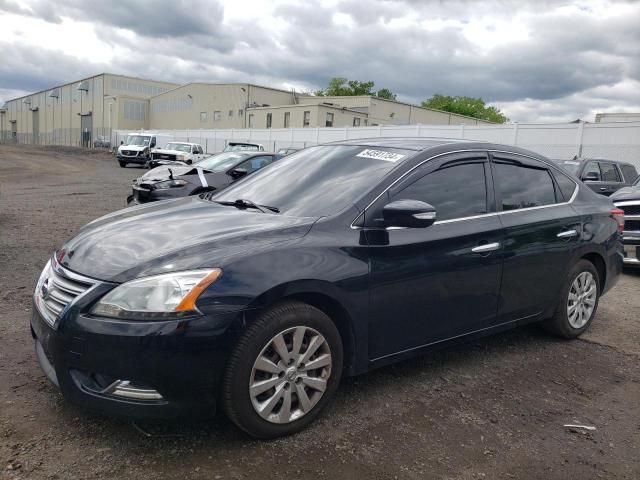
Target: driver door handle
<point x="567" y="234"/>
<point x="487" y="247"/>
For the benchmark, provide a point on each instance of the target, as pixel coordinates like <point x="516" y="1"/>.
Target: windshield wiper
<point x="244" y="203"/>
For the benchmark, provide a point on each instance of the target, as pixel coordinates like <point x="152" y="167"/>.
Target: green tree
<point x="343" y="87"/>
<point x="472" y="107"/>
<point x="386" y="93"/>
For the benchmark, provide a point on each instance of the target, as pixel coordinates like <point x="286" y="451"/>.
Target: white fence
<point x="617" y="141"/>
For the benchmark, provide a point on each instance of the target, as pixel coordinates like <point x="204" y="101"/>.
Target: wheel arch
<point x="324" y="297"/>
<point x="598" y="262"/>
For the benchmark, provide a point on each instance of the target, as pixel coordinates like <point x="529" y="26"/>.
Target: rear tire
<point x="295" y="350"/>
<point x="122" y="164"/>
<point x="578" y="302"/>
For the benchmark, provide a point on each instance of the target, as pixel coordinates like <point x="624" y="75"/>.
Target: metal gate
<point x="86" y="126"/>
<point x="36" y="127"/>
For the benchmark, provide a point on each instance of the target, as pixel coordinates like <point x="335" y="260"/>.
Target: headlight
<point x="170" y="184"/>
<point x="161" y="297"/>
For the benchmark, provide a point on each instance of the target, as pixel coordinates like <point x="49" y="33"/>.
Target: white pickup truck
<point x="183" y="152"/>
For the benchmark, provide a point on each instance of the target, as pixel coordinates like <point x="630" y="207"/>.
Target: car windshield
<point x="138" y="140"/>
<point x="239" y="147"/>
<point x="222" y="161"/>
<point x="317" y="181"/>
<point x="180" y="147"/>
<point x="570" y="166"/>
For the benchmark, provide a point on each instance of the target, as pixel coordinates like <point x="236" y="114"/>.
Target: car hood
<point x="173" y="235"/>
<point x="170" y="152"/>
<point x="162" y="172"/>
<point x="626" y="193"/>
<point x="132" y="147"/>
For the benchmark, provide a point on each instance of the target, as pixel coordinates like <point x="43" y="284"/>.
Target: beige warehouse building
<point x="78" y="113"/>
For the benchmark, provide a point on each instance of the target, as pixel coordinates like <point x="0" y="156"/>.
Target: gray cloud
<point x="568" y="65"/>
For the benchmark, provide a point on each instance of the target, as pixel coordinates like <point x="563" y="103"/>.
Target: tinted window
<point x="629" y="173"/>
<point x="256" y="163"/>
<point x="591" y="167"/>
<point x="609" y="172"/>
<point x="317" y="181"/>
<point x="457" y="191"/>
<point x="567" y="186"/>
<point x="523" y="187"/>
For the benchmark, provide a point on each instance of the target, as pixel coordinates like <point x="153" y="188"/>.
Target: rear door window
<point x="592" y="168"/>
<point x="629" y="173"/>
<point x="522" y="186"/>
<point x="609" y="172"/>
<point x="455" y="191"/>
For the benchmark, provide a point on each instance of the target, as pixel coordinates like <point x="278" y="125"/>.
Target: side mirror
<point x="591" y="177"/>
<point x="409" y="214"/>
<point x="238" y="172"/>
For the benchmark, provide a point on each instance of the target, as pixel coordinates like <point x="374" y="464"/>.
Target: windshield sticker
<point x="380" y="155"/>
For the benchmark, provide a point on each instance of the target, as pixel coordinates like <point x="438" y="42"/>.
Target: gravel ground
<point x="491" y="409"/>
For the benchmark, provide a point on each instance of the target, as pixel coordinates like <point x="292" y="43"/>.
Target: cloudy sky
<point x="538" y="60"/>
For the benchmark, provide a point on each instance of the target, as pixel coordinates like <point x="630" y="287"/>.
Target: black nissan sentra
<point x="330" y="262"/>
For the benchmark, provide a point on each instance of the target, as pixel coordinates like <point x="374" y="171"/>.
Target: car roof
<point x="406" y="143"/>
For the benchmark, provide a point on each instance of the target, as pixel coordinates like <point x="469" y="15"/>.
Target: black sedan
<point x="332" y="261"/>
<point x="211" y="174"/>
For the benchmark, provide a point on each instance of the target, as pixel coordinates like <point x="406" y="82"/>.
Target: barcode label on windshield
<point x="380" y="155"/>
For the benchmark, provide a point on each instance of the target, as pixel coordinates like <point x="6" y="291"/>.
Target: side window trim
<point x="428" y="167"/>
<point x="516" y="159"/>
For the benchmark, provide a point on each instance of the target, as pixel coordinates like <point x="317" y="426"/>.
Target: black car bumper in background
<point x="631" y="250"/>
<point x="134" y="369"/>
<point x="139" y="159"/>
<point x="142" y="194"/>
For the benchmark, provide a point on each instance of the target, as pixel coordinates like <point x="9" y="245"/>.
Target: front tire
<point x="122" y="164"/>
<point x="283" y="370"/>
<point x="579" y="302"/>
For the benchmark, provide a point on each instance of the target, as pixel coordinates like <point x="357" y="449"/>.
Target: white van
<point x="136" y="148"/>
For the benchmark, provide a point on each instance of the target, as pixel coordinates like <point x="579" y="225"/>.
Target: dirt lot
<point x="493" y="409"/>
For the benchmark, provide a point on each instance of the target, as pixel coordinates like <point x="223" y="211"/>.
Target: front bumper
<point x="181" y="360"/>
<point x="144" y="195"/>
<point x="140" y="159"/>
<point x="631" y="251"/>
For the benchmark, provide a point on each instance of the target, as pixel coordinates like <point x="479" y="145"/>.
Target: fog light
<point x="125" y="389"/>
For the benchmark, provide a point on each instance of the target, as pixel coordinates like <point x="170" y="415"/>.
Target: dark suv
<point x="332" y="261"/>
<point x="601" y="176"/>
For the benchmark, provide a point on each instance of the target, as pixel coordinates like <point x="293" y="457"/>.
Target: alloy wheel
<point x="290" y="375"/>
<point x="582" y="300"/>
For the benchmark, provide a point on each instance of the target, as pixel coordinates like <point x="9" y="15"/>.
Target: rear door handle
<point x="568" y="234"/>
<point x="487" y="247"/>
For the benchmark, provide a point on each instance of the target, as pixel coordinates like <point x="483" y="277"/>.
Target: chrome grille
<point x="56" y="289"/>
<point x="631" y="209"/>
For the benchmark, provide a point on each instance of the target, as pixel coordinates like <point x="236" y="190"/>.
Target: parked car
<point x="243" y="147"/>
<point x="627" y="199"/>
<point x="136" y="148"/>
<point x="211" y="174"/>
<point x="288" y="151"/>
<point x="102" y="141"/>
<point x="339" y="259"/>
<point x="183" y="152"/>
<point x="601" y="176"/>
